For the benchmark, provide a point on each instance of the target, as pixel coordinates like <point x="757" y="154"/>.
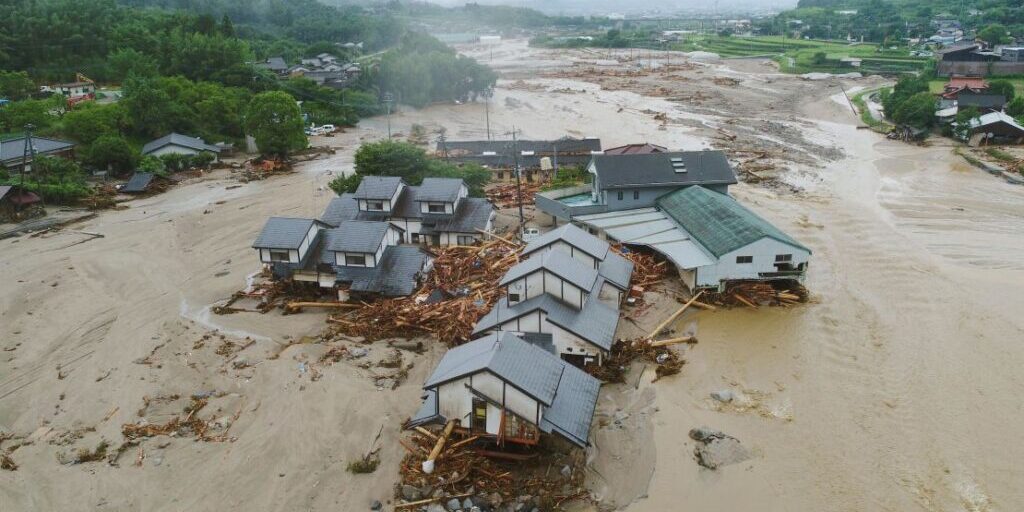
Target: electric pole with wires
<point x="388" y="99"/>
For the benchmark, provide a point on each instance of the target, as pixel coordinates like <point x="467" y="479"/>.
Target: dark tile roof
<point x="396" y="275"/>
<point x="445" y="190"/>
<point x="283" y="233"/>
<point x="472" y="214"/>
<point x="377" y="187"/>
<point x="636" y="149"/>
<point x="139" y="182"/>
<point x="14" y="149"/>
<point x="564" y="145"/>
<point x="616" y="270"/>
<point x="595" y="323"/>
<point x="718" y="222"/>
<point x="178" y="139"/>
<point x="572" y="412"/>
<point x="557" y="262"/>
<point x="573" y="236"/>
<point x="358" y="236"/>
<point x="341" y="208"/>
<point x="658" y="169"/>
<point x="965" y="99"/>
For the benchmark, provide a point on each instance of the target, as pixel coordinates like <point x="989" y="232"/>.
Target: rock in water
<point x="721" y="451"/>
<point x="725" y="395"/>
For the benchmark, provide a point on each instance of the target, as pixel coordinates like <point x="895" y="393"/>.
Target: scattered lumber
<point x="428" y="465"/>
<point x="673" y="341"/>
<point x="754" y="294"/>
<point x="674" y="316"/>
<point x="295" y="307"/>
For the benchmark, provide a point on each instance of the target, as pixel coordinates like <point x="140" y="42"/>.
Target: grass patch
<point x="364" y="465"/>
<point x="860" y="101"/>
<point x="1000" y="155"/>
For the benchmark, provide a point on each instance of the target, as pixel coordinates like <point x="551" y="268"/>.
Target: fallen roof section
<point x="139" y="182"/>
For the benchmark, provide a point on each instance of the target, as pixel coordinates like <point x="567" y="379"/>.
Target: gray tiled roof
<point x="572" y="412"/>
<point x="996" y="101"/>
<point x="558" y="263"/>
<point x="569" y="394"/>
<point x="616" y="270"/>
<point x="14" y="149"/>
<point x="358" y="236"/>
<point x="573" y="236"/>
<point x="531" y="369"/>
<point x="283" y="233"/>
<point x="473" y="214"/>
<point x="656" y="169"/>
<point x="444" y="190"/>
<point x="394" y="276"/>
<point x="341" y="208"/>
<point x="139" y="182"/>
<point x="563" y="145"/>
<point x="377" y="187"/>
<point x="178" y="139"/>
<point x="595" y="323"/>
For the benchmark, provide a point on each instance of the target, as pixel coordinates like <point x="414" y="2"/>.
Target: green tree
<point x="819" y="58"/>
<point x="1016" y="107"/>
<point x="1003" y="87"/>
<point x="917" y="111"/>
<point x="152" y="164"/>
<point x="16" y="85"/>
<point x="345" y="184"/>
<point x="475" y="176"/>
<point x="148" y="108"/>
<point x="993" y="34"/>
<point x="14" y="116"/>
<point x="905" y="87"/>
<point x="128" y="61"/>
<point x="392" y="158"/>
<point x="112" y="152"/>
<point x="962" y="125"/>
<point x="274" y="120"/>
<point x="89" y="121"/>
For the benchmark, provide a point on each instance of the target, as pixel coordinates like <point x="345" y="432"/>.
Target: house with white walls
<point x="566" y="305"/>
<point x="438" y="212"/>
<point x="508" y="390"/>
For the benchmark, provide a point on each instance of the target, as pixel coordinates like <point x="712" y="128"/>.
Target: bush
<point x="345" y="184"/>
<point x="364" y="465"/>
<point x="112" y="152"/>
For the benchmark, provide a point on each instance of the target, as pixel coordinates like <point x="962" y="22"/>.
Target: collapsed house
<point x="537" y="159"/>
<point x="509" y="391"/>
<point x="677" y="204"/>
<point x="354" y="258"/>
<point x="564" y="297"/>
<point x="438" y="212"/>
<point x="994" y="127"/>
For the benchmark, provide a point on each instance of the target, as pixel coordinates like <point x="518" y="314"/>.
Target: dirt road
<point x="896" y="389"/>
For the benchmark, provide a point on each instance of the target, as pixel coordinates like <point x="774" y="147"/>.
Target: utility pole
<point x="443" y="139"/>
<point x="388" y="98"/>
<point x="487" y="109"/>
<point x="519" y="181"/>
<point x="29" y="153"/>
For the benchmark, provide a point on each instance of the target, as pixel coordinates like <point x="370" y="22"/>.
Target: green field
<point x="797" y="55"/>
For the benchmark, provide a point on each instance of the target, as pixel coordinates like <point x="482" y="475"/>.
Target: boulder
<point x="724" y="395"/>
<point x="411" y="493"/>
<point x="454" y="504"/>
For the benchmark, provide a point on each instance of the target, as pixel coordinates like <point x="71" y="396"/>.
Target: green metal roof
<point x="719" y="222"/>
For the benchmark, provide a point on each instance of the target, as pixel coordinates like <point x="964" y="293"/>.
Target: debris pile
<point x="260" y="169"/>
<point x="460" y="289"/>
<point x="505" y="195"/>
<point x="624" y="352"/>
<point x="466" y="471"/>
<point x="103" y="197"/>
<point x="188" y="424"/>
<point x="647" y="270"/>
<point x="755" y="294"/>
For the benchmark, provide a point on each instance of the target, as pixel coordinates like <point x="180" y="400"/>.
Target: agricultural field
<point x="799" y="56"/>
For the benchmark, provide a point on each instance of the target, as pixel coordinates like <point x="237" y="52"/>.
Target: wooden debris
<point x="674" y="316"/>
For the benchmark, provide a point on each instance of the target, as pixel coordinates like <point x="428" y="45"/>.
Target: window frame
<point x="783" y="258"/>
<point x="359" y="256"/>
<point x="513" y="297"/>
<point x="620" y="195"/>
<point x="744" y="260"/>
<point x="370" y="205"/>
<point x="287" y="255"/>
<point x="431" y="206"/>
<point x="636" y="194"/>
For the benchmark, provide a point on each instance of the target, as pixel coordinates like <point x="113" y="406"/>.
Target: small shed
<point x="996" y="126"/>
<point x="15" y="201"/>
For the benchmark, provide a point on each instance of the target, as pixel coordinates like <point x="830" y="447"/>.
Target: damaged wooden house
<point x="677" y="204"/>
<point x="564" y="297"/>
<point x="508" y="390"/>
<point x="538" y="159"/>
<point x="438" y="212"/>
<point x="355" y="258"/>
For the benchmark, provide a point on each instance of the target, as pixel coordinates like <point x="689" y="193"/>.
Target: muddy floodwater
<point x="897" y="388"/>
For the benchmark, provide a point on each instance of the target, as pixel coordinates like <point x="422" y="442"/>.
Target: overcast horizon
<point x="630" y="6"/>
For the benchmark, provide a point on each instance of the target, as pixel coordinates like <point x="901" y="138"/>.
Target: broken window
<point x="479" y="422"/>
<point x="744" y="259"/>
<point x="466" y="240"/>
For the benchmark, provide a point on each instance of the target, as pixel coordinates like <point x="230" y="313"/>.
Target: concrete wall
<point x="763" y="251"/>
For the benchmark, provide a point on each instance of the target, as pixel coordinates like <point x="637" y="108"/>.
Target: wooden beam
<point x="674" y="316"/>
<point x="431" y="500"/>
<point x="673" y="341"/>
<point x="428" y="465"/>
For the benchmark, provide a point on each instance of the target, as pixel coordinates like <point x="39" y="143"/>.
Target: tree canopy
<point x="274" y="120"/>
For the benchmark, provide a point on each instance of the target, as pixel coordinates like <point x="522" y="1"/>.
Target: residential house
<point x="635" y="149"/>
<point x="964" y="84"/>
<point x="178" y="144"/>
<point x="564" y="297"/>
<point x="275" y="65"/>
<point x="994" y="127"/>
<point x="710" y="237"/>
<point x="984" y="102"/>
<point x="75" y="89"/>
<point x="1012" y="54"/>
<point x="625" y="182"/>
<point x="355" y="258"/>
<point x="509" y="391"/>
<point x="13" y="152"/>
<point x="537" y="159"/>
<point x="437" y="212"/>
